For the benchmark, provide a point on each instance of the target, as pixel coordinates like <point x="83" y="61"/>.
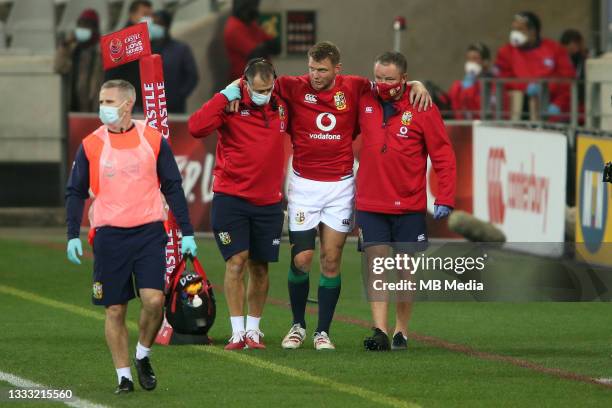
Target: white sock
<point x="142" y="351"/>
<point x="252" y="323"/>
<point x="123" y="372"/>
<point x="237" y="324"/>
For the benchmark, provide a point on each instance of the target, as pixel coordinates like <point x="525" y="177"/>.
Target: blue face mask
<point x="82" y="34"/>
<point x="259" y="99"/>
<point x="109" y="115"/>
<point x="157" y="32"/>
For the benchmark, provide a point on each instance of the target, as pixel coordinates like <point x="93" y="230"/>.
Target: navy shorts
<point x="122" y="254"/>
<point x="377" y="228"/>
<point x="239" y="226"/>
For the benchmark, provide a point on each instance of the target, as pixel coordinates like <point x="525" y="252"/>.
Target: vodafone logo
<point x="326" y="121"/>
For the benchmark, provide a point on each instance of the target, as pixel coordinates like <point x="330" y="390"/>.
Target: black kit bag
<point x="190" y="301"/>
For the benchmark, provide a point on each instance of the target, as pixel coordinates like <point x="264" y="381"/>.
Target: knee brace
<point x="300" y="241"/>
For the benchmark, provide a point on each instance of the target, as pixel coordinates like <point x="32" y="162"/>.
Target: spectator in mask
<point x="244" y="38"/>
<point x="78" y="57"/>
<point x="573" y="42"/>
<point x="180" y="71"/>
<point x="465" y="94"/>
<point x="528" y="55"/>
<point x="140" y="11"/>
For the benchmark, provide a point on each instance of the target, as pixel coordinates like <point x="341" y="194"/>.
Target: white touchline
<point x="24" y="383"/>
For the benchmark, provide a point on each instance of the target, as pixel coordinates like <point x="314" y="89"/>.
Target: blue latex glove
<point x="533" y="89"/>
<point x="189" y="245"/>
<point x="74" y="248"/>
<point x="231" y="92"/>
<point x="441" y="211"/>
<point x="553" y="110"/>
<point x="468" y="81"/>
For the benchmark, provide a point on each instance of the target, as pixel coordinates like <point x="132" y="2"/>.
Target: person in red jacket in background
<point x="247" y="216"/>
<point x="391" y="196"/>
<point x="527" y="55"/>
<point x="244" y="38"/>
<point x="465" y="94"/>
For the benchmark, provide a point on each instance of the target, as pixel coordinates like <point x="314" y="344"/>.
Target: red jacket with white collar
<point x="250" y="158"/>
<point x="393" y="158"/>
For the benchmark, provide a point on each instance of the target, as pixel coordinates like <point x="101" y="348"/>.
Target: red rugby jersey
<point x="323" y="125"/>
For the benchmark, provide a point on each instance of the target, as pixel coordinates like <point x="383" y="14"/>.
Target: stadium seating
<point x="75" y="7"/>
<point x="30" y="25"/>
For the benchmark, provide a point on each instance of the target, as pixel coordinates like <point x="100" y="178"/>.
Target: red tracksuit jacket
<point x="547" y="60"/>
<point x="240" y="41"/>
<point x="393" y="159"/>
<point x="250" y="157"/>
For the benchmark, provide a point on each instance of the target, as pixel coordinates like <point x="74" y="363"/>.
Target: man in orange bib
<point x="129" y="172"/>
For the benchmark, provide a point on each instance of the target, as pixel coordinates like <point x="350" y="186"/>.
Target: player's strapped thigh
<point x="300" y="241"/>
<point x="266" y="227"/>
<point x="230" y="224"/>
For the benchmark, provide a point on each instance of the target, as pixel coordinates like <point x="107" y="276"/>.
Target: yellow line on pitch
<point x="235" y="356"/>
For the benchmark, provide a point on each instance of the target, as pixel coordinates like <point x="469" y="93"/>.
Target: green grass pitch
<point x="461" y="354"/>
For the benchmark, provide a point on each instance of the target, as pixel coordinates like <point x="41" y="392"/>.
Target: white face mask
<point x="259" y="99"/>
<point x="82" y="34"/>
<point x="517" y="38"/>
<point x="109" y="115"/>
<point x="473" y="68"/>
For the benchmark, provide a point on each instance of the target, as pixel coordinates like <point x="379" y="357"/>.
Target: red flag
<point x="127" y="45"/>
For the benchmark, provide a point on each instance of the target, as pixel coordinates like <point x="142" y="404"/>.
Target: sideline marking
<point x="354" y="390"/>
<point x="24" y="383"/>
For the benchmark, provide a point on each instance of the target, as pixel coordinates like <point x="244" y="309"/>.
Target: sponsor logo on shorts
<point x="421" y="238"/>
<point x="310" y="98"/>
<point x="276" y="241"/>
<point x="369" y="109"/>
<point x="245" y="112"/>
<point x="300" y="217"/>
<point x="340" y="100"/>
<point x="97" y="290"/>
<point x="225" y="238"/>
<point x="346" y="221"/>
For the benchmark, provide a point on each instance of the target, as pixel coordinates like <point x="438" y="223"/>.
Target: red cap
<point x="90" y="14"/>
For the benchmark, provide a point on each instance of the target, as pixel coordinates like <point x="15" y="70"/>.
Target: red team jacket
<point x="250" y="155"/>
<point x="393" y="159"/>
<point x="240" y="41"/>
<point x="465" y="99"/>
<point x="548" y="60"/>
<point x="323" y="125"/>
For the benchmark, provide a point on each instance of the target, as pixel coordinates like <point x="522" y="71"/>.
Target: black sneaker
<point x="399" y="342"/>
<point x="378" y="342"/>
<point x="125" y="386"/>
<point x="146" y="376"/>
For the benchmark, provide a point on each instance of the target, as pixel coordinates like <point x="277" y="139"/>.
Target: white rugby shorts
<point x="311" y="202"/>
